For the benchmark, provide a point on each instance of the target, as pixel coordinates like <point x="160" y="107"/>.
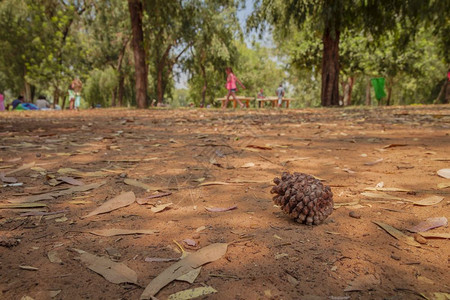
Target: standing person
<point x="71" y="97"/>
<point x="231" y="87"/>
<point x="77" y="85"/>
<point x="280" y="94"/>
<point x="2" y="102"/>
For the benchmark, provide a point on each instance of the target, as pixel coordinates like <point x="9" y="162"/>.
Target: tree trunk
<point x="330" y="67"/>
<point x="136" y="11"/>
<point x="389" y="93"/>
<point x="113" y="98"/>
<point x="159" y="84"/>
<point x="56" y="98"/>
<point x="27" y="95"/>
<point x="368" y="97"/>
<point x="205" y="85"/>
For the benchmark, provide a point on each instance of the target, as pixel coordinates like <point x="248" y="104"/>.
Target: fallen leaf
<point x="436" y="296"/>
<point x="157" y="259"/>
<point x="51" y="195"/>
<point x="398" y="234"/>
<point x="394" y="145"/>
<point x="118" y="231"/>
<point x="112" y="271"/>
<point x="120" y="201"/>
<point x="53" y="257"/>
<point x="383" y="189"/>
<point x="201" y="228"/>
<point x="7" y="179"/>
<point x="192" y="261"/>
<point x="383" y="196"/>
<point x="21" y="205"/>
<point x="190" y="242"/>
<point x="436" y="235"/>
<point x="292" y="279"/>
<point x="62" y="219"/>
<point x="160" y="207"/>
<point x="281" y="255"/>
<point x="81" y="173"/>
<point x="23" y="167"/>
<point x="428" y="224"/>
<point x="28" y="268"/>
<point x="146" y="199"/>
<point x="53" y="294"/>
<point x="220" y="209"/>
<point x="191" y="276"/>
<point x="192" y="293"/>
<point x="259" y="147"/>
<point x="349" y="171"/>
<point x="443" y="185"/>
<point x="248" y="165"/>
<point x="429" y="201"/>
<point x="214" y="183"/>
<point x="363" y="283"/>
<point x="444" y="173"/>
<point x="70" y="180"/>
<point x="373" y="162"/>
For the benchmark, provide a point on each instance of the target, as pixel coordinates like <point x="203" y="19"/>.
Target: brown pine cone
<point x="303" y="197"/>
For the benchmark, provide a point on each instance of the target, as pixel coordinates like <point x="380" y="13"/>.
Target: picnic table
<point x="274" y="101"/>
<point x="244" y="99"/>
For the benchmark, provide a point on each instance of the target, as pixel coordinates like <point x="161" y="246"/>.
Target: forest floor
<point x="209" y="159"/>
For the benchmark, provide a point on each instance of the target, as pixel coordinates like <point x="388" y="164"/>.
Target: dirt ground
<point x="184" y="152"/>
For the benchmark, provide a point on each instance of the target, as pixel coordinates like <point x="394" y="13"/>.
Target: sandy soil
<point x="269" y="256"/>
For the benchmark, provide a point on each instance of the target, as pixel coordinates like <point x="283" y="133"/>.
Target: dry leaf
<point x="220" y="209"/>
<point x="363" y="283"/>
<point x="383" y="189"/>
<point x="51" y="195"/>
<point x="7" y="179"/>
<point x="443" y="185"/>
<point x="146" y="199"/>
<point x="214" y="183"/>
<point x="394" y="145"/>
<point x="23" y="167"/>
<point x="112" y="271"/>
<point x="192" y="261"/>
<point x="428" y="224"/>
<point x="192" y="293"/>
<point x="120" y="201"/>
<point x="383" y="196"/>
<point x="201" y="228"/>
<point x="398" y="234"/>
<point x="118" y="231"/>
<point x="191" y="276"/>
<point x="259" y="147"/>
<point x="53" y="257"/>
<point x="373" y="162"/>
<point x="436" y="235"/>
<point x="248" y="165"/>
<point x="160" y="207"/>
<point x="157" y="259"/>
<point x="190" y="242"/>
<point x="429" y="201"/>
<point x="28" y="268"/>
<point x="436" y="296"/>
<point x="444" y="173"/>
<point x="70" y="180"/>
<point x="21" y="205"/>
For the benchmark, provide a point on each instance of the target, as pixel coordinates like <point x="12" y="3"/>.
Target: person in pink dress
<point x="2" y="103"/>
<point x="232" y="88"/>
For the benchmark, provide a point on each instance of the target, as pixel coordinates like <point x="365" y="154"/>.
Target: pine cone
<point x="303" y="197"/>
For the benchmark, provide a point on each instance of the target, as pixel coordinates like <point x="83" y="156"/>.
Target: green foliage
<point x="100" y="86"/>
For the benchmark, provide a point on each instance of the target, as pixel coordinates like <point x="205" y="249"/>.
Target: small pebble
<point x="123" y="175"/>
<point x="38" y="154"/>
<point x="395" y="257"/>
<point x="354" y="214"/>
<point x="196" y="236"/>
<point x="420" y="239"/>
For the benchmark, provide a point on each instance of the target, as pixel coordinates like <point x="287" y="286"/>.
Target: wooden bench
<point x="274" y="101"/>
<point x="243" y="99"/>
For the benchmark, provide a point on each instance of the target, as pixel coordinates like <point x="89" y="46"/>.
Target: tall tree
<point x="136" y="14"/>
<point x="331" y="19"/>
